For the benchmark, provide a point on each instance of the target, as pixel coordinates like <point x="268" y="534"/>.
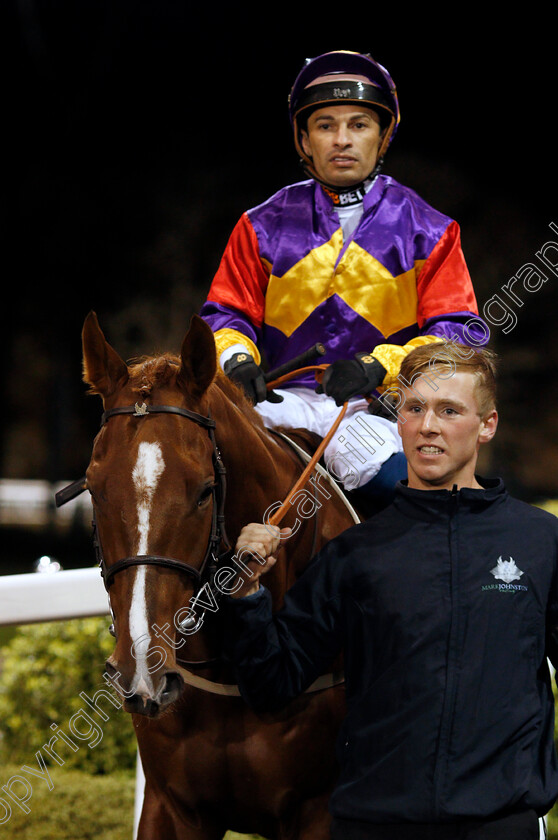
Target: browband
<point x="143" y="409"/>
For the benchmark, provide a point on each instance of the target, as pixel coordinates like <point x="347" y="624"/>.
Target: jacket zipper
<point x="451" y="660"/>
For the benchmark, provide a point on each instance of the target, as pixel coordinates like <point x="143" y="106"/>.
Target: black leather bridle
<point x="217" y="536"/>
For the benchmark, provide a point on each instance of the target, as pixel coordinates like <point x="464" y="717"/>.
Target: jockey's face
<point x="343" y="142"/>
<point x="442" y="431"/>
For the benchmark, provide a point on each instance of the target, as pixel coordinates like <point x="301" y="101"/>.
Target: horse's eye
<point x="205" y="494"/>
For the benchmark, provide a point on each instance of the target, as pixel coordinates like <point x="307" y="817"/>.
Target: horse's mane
<point x="148" y="373"/>
<point x="151" y="372"/>
<point x="236" y="395"/>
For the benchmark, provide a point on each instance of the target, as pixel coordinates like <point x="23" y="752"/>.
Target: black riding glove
<point x="348" y="377"/>
<point x="244" y="371"/>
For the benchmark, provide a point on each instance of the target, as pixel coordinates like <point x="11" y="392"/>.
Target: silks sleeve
<point x="446" y="306"/>
<point x="443" y="284"/>
<point x="236" y="300"/>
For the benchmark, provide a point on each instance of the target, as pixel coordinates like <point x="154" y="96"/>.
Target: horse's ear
<point x="198" y="359"/>
<point x="103" y="369"/>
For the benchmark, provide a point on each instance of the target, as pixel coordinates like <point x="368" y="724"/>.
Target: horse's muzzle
<point x="167" y="690"/>
<point x="172" y="685"/>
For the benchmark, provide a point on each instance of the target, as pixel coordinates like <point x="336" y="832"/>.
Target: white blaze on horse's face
<point x="146" y="473"/>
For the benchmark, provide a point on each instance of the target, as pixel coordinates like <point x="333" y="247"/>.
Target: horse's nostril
<point x="173" y="686"/>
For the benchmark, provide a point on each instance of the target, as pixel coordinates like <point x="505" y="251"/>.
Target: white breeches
<point x="360" y="445"/>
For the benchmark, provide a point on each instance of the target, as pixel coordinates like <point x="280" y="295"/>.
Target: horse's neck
<point x="259" y="471"/>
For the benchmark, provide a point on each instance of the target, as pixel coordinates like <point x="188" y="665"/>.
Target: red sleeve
<point x="241" y="279"/>
<point x="444" y="284"/>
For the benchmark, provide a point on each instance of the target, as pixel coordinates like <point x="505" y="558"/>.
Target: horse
<point x="174" y="432"/>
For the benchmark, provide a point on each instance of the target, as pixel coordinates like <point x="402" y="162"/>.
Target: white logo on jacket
<point x="506" y="570"/>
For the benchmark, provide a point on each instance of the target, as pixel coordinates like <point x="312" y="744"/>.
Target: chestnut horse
<point x="172" y="426"/>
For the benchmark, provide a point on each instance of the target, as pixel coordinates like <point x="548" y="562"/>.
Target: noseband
<point x="218" y="533"/>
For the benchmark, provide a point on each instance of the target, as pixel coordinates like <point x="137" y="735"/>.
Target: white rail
<point x="73" y="593"/>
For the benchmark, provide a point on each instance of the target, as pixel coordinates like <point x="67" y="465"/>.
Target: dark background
<point x="135" y="134"/>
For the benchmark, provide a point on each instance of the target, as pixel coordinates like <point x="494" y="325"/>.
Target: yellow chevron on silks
<point x="389" y="303"/>
<point x="290" y="299"/>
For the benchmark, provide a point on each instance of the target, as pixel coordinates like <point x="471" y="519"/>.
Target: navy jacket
<point x="445" y="605"/>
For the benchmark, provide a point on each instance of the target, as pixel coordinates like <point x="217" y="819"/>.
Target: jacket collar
<point x="431" y="504"/>
<point x="371" y="197"/>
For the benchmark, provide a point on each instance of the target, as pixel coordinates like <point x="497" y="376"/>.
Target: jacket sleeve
<point x="236" y="301"/>
<point x="552" y="612"/>
<point x="446" y="306"/>
<point x="278" y="657"/>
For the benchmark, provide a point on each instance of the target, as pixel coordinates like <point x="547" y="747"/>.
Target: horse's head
<point x="152" y="479"/>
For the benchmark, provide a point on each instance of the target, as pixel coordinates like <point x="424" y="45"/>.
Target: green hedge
<point x="44" y="669"/>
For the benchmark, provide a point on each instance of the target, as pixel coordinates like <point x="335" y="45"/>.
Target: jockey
<point x="349" y="258"/>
